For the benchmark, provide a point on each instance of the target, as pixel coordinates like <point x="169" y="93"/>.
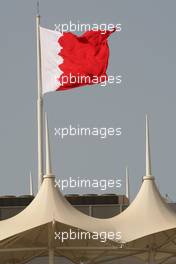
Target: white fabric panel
<point x="50" y="59"/>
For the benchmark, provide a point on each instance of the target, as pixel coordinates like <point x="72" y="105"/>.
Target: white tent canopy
<point x="31" y="232"/>
<point x="148" y="213"/>
<point x="148" y="225"/>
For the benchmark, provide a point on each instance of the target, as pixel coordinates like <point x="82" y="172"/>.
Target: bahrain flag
<point x="69" y="61"/>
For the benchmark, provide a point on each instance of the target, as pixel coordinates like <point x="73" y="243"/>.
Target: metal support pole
<point x="51" y="256"/>
<point x="51" y="243"/>
<point x="151" y="257"/>
<point x="39" y="105"/>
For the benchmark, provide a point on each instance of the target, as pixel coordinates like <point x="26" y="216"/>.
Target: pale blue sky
<point x="144" y="53"/>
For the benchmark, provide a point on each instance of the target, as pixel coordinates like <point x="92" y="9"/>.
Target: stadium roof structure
<point x="32" y="232"/>
<point x="147" y="226"/>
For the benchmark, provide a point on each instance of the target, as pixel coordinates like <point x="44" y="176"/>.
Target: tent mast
<point x="127" y="185"/>
<point x="148" y="154"/>
<point x="48" y="152"/>
<point x="49" y="174"/>
<point x="39" y="102"/>
<point x="30" y="185"/>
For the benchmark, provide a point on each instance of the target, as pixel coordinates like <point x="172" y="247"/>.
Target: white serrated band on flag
<point x="50" y="60"/>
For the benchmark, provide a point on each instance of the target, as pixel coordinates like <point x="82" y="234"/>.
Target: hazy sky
<point x="144" y="53"/>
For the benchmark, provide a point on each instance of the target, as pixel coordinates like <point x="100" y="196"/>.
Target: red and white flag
<point x="69" y="61"/>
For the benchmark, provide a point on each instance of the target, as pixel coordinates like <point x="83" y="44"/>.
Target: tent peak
<point x="49" y="176"/>
<point x="148" y="175"/>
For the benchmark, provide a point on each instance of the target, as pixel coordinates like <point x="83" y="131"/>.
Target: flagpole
<point x="39" y="102"/>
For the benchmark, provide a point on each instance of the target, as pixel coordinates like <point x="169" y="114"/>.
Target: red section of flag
<point x="85" y="55"/>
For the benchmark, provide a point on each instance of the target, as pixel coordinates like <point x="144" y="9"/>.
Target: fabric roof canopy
<point x="31" y="232"/>
<point x="149" y="223"/>
<point x="148" y="226"/>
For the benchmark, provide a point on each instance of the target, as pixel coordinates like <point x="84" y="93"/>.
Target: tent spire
<point x="127" y="185"/>
<point x="48" y="153"/>
<point x="39" y="102"/>
<point x="38" y="9"/>
<point x="30" y="184"/>
<point x="148" y="154"/>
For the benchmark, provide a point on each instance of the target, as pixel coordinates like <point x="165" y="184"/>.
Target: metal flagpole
<point x="39" y="102"/>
